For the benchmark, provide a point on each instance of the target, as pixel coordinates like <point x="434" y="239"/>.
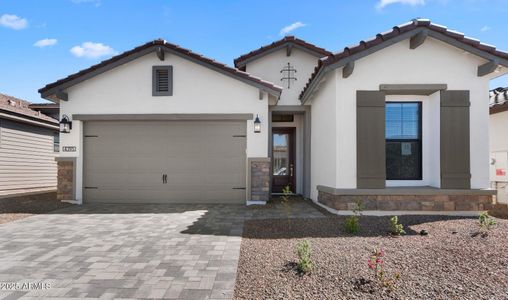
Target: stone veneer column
<point x="65" y="185"/>
<point x="259" y="175"/>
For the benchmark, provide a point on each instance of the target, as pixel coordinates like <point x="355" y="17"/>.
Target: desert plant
<point x="352" y="223"/>
<point x="286" y="196"/>
<point x="376" y="264"/>
<point x="304" y="261"/>
<point x="395" y="227"/>
<point x="486" y="221"/>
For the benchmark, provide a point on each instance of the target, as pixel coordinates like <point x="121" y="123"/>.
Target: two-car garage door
<point x="164" y="161"/>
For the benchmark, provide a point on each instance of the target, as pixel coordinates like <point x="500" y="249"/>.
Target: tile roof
<point x="288" y="39"/>
<point x="159" y="42"/>
<point x="17" y="106"/>
<point x="394" y="32"/>
<point x="498" y="100"/>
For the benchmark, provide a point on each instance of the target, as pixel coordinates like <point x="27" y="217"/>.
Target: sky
<point x="43" y="41"/>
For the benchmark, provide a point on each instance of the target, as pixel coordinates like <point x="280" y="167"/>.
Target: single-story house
<point x="498" y="124"/>
<point x="399" y="121"/>
<point x="28" y="147"/>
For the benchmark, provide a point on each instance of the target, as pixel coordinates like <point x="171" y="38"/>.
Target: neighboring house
<point x="49" y="109"/>
<point x="389" y="121"/>
<point x="28" y="145"/>
<point x="499" y="142"/>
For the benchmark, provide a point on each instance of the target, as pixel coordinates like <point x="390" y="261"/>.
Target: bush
<point x="395" y="227"/>
<point x="304" y="252"/>
<point x="352" y="224"/>
<point x="486" y="221"/>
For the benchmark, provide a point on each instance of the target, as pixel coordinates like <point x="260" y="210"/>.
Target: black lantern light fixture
<point x="257" y="125"/>
<point x="65" y="124"/>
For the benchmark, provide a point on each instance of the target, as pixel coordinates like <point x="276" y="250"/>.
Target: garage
<point x="164" y="161"/>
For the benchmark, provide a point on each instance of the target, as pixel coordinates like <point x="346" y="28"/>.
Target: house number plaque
<point x="69" y="149"/>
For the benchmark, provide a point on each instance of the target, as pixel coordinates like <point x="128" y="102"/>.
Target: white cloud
<point x="45" y="43"/>
<point x="97" y="3"/>
<point x="382" y="3"/>
<point x="92" y="50"/>
<point x="13" y="22"/>
<point x="292" y="27"/>
<point x="485" y="28"/>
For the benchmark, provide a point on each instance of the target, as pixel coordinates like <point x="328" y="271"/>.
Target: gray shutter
<point x="455" y="154"/>
<point x="162" y="81"/>
<point x="370" y="139"/>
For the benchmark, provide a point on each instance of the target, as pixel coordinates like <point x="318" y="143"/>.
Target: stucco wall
<point x="432" y="62"/>
<point x="498" y="124"/>
<point x="323" y="139"/>
<point x="269" y="66"/>
<point x="127" y="89"/>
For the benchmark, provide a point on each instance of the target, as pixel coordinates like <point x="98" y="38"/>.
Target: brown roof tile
<point x="17" y="106"/>
<point x="395" y="31"/>
<point x="176" y="48"/>
<point x="288" y="39"/>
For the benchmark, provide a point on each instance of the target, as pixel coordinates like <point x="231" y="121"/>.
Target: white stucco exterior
<point x="197" y="89"/>
<point x="498" y="125"/>
<point x="269" y="66"/>
<point x="434" y="62"/>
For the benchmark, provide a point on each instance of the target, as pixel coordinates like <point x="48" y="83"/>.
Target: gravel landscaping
<point x="16" y="208"/>
<point x="451" y="262"/>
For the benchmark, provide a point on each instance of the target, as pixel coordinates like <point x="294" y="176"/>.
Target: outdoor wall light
<point x="65" y="124"/>
<point x="257" y="125"/>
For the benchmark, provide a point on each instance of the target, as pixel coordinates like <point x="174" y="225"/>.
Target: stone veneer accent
<point x="65" y="185"/>
<point x="259" y="179"/>
<point x="408" y="202"/>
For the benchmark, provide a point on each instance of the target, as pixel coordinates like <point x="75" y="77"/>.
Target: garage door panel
<point x="204" y="162"/>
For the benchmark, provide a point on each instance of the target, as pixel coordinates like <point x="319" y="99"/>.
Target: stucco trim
<point x="409" y="191"/>
<point x="163" y="117"/>
<point x="412" y="89"/>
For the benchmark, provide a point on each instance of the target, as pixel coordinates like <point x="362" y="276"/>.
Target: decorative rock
<point x="424" y="232"/>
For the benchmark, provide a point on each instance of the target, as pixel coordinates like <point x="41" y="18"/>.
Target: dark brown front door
<point x="283" y="159"/>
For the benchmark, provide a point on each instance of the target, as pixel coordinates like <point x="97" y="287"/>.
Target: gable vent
<point x="162" y="81"/>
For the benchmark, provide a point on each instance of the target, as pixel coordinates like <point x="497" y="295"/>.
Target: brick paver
<point x="130" y="251"/>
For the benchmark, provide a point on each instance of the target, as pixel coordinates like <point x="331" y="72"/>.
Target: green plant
<point x="304" y="250"/>
<point x="376" y="264"/>
<point x="486" y="221"/>
<point x="286" y="196"/>
<point x="395" y="227"/>
<point x="352" y="223"/>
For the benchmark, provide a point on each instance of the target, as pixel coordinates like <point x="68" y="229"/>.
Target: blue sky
<point x="42" y="41"/>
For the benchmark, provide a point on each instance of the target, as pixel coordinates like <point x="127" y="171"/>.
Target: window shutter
<point x="370" y="139"/>
<point x="454" y="130"/>
<point x="162" y="79"/>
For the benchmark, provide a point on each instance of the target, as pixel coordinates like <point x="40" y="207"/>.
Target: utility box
<point x="499" y="166"/>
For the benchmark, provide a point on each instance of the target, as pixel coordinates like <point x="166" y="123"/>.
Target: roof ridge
<point x="277" y="43"/>
<point x="395" y="31"/>
<point x="174" y="47"/>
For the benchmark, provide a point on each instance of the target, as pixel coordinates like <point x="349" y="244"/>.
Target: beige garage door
<point x="164" y="162"/>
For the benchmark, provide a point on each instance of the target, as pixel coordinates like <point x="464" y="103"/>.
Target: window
<point x="282" y="118"/>
<point x="403" y="140"/>
<point x="162" y="81"/>
<point x="56" y="142"/>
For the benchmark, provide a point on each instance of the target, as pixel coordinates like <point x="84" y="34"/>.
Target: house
<point x="498" y="123"/>
<point x="390" y="121"/>
<point x="28" y="146"/>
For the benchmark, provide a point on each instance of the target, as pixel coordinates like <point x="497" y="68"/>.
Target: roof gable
<point x="53" y="91"/>
<point x="416" y="30"/>
<point x="288" y="41"/>
<point x="16" y="106"/>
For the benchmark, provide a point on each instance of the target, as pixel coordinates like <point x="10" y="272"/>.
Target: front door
<point x="283" y="159"/>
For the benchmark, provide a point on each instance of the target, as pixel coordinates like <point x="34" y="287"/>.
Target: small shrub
<point x="304" y="261"/>
<point x="352" y="224"/>
<point x="486" y="221"/>
<point x="395" y="227"/>
<point x="376" y="264"/>
<point x="286" y="196"/>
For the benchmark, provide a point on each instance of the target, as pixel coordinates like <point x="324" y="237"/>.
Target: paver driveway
<point x="130" y="251"/>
